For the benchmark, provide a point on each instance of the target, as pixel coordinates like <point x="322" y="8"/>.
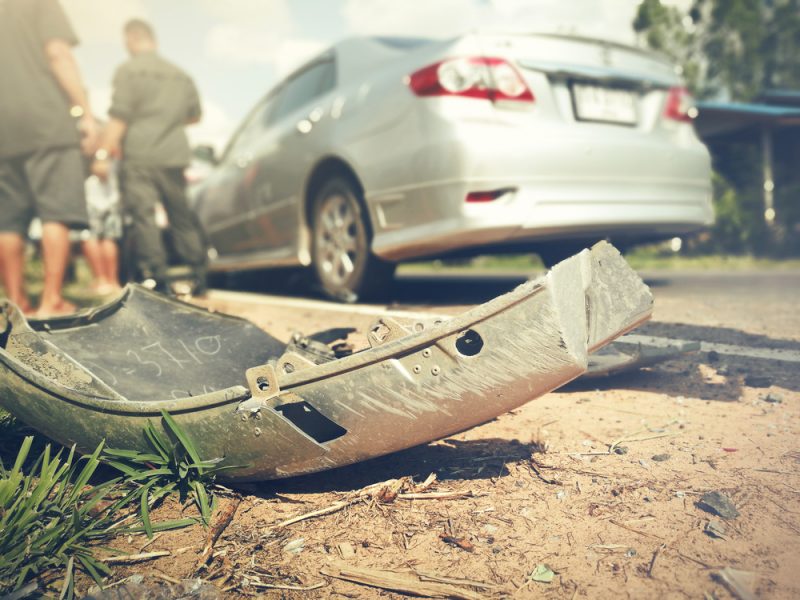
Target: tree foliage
<point x="735" y="50"/>
<point x="727" y="48"/>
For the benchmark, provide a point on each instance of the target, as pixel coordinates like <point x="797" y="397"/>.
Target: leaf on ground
<point x="542" y="574"/>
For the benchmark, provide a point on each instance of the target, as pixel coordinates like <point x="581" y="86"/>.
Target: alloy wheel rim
<point x="338" y="242"/>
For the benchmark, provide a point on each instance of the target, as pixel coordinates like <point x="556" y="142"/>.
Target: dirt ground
<point x="537" y="490"/>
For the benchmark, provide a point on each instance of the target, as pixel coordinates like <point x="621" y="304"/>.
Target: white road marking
<point x="375" y="310"/>
<point x="725" y="349"/>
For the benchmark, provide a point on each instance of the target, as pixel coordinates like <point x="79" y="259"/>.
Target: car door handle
<point x="304" y="126"/>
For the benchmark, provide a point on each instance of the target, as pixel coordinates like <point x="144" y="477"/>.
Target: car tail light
<point x="473" y="77"/>
<point x="680" y="105"/>
<point x="487" y="196"/>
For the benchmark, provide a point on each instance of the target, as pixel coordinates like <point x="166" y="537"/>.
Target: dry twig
<point x="134" y="558"/>
<point x="224" y="518"/>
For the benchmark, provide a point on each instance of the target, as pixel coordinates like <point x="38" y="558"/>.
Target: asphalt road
<point x="749" y="307"/>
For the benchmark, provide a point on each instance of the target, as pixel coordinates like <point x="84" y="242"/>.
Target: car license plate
<point x="610" y="105"/>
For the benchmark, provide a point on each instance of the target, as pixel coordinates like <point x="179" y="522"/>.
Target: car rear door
<point x="286" y="153"/>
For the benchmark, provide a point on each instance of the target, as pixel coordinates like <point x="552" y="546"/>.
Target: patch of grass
<point x="644" y="260"/>
<point x="173" y="466"/>
<point x="53" y="520"/>
<point x="49" y="516"/>
<point x="654" y="257"/>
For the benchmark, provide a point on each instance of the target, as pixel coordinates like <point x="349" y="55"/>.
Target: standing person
<point x="152" y="102"/>
<point x="101" y="249"/>
<point x="41" y="172"/>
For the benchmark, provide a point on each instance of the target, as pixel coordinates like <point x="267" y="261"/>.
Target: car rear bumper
<point x="535" y="211"/>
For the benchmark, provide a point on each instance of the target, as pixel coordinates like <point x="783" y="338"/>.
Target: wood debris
<point x="462" y="543"/>
<point x="224" y="518"/>
<point x="134" y="558"/>
<point x="406" y="582"/>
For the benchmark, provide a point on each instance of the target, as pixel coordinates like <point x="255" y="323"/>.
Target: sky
<point x="236" y="50"/>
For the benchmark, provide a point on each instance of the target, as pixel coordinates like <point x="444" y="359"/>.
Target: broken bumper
<point x="242" y="395"/>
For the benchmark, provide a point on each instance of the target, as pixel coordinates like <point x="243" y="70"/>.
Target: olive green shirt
<point x="34" y="111"/>
<point x="156" y="100"/>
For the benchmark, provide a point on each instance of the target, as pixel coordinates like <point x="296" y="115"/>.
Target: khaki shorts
<point x="47" y="184"/>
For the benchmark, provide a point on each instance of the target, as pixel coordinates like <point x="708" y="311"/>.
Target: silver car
<point x="386" y="149"/>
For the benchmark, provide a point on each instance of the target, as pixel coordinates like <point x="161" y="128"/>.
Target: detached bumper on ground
<point x="281" y="410"/>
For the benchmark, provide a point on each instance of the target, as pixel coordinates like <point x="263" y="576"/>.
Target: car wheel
<point x="342" y="260"/>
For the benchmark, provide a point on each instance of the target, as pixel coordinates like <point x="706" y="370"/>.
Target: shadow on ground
<point x="449" y="459"/>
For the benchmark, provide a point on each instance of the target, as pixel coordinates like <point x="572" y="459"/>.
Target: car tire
<point x="342" y="260"/>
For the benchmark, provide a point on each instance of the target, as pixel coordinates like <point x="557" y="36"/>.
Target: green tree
<point x="729" y="48"/>
<point x="736" y="49"/>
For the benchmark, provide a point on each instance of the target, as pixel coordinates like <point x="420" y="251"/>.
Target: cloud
<point x="253" y="32"/>
<point x="102" y="22"/>
<point x="427" y="18"/>
<point x="609" y="19"/>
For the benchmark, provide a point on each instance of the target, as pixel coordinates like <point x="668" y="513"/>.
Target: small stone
<point x="346" y="550"/>
<point x="644" y="463"/>
<point x="680" y="494"/>
<point x="715" y="528"/>
<point x="630" y="552"/>
<point x="659" y="457"/>
<point x="295" y="546"/>
<point x="561" y="494"/>
<point x="757" y="381"/>
<point x="621" y="450"/>
<point x="772" y="398"/>
<point x="719" y="504"/>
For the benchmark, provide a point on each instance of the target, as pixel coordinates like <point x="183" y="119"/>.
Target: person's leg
<point x="139" y="198"/>
<point x="187" y="234"/>
<point x="110" y="259"/>
<point x="16" y="211"/>
<point x="55" y="255"/>
<point x="12" y="267"/>
<point x="93" y="253"/>
<point x="56" y="177"/>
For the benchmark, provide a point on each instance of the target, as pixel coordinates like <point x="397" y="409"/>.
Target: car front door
<point x="225" y="210"/>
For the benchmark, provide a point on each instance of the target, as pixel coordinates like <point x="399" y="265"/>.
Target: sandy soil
<point x="540" y="487"/>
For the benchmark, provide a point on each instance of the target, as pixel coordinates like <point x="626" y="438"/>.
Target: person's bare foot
<point x="59" y="309"/>
<point x="106" y="289"/>
<point x="23" y="304"/>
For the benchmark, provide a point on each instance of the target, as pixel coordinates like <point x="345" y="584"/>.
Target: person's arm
<point x="194" y="109"/>
<point x="65" y="69"/>
<point x="110" y="146"/>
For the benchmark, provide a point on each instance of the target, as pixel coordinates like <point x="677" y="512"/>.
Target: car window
<point x="251" y="128"/>
<point x="301" y="89"/>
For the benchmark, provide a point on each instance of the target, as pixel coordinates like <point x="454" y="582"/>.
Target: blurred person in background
<point x="101" y="249"/>
<point x="152" y="102"/>
<point x="41" y="167"/>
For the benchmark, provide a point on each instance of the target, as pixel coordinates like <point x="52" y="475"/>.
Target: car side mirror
<point x="205" y="153"/>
